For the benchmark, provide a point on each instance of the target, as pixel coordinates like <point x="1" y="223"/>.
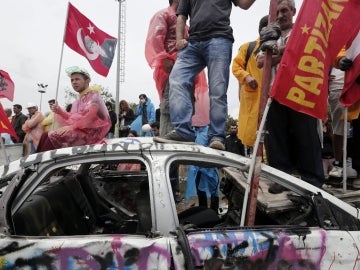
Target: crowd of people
<point x="194" y="111"/>
<point x="88" y="120"/>
<point x="178" y="53"/>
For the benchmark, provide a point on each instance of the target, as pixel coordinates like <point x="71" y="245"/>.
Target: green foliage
<point x="133" y="105"/>
<point x="71" y="95"/>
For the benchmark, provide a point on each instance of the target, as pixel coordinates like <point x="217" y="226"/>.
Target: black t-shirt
<point x="208" y="18"/>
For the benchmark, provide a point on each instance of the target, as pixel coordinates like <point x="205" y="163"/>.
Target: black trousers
<point x="292" y="143"/>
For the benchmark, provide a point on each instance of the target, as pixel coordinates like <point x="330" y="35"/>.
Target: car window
<point x="207" y="195"/>
<point x="109" y="197"/>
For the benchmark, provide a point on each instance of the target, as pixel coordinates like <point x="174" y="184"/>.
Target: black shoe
<point x="172" y="137"/>
<point x="276" y="188"/>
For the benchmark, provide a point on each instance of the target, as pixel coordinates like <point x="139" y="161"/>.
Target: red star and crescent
<point x="80" y="40"/>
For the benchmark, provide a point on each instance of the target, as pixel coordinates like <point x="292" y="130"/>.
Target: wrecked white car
<point x="112" y="206"/>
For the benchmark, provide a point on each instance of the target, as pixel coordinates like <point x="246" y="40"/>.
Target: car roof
<point x="133" y="144"/>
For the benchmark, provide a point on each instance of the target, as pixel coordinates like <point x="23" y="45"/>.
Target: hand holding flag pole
<point x="251" y="192"/>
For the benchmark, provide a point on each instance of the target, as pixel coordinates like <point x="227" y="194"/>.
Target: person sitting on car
<point x="86" y="123"/>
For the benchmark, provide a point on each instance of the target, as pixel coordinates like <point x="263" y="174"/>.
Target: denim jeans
<point x="215" y="54"/>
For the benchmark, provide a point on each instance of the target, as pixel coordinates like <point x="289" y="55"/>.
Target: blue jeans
<point x="215" y="54"/>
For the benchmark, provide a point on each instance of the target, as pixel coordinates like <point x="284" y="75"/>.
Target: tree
<point x="133" y="106"/>
<point x="71" y="95"/>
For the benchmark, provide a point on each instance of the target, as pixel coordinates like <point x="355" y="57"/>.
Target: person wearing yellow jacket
<point x="48" y="122"/>
<point x="249" y="77"/>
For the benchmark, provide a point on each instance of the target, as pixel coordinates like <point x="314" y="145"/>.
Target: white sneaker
<point x="350" y="171"/>
<point x="336" y="171"/>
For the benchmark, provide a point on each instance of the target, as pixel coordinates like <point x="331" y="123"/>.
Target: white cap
<point x="31" y="105"/>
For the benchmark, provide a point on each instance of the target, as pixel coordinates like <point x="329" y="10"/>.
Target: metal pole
<point x="345" y="149"/>
<point x="61" y="55"/>
<point x="40" y="100"/>
<point x="265" y="87"/>
<point x="255" y="161"/>
<point x="41" y="90"/>
<point x="120" y="75"/>
<point x="117" y="95"/>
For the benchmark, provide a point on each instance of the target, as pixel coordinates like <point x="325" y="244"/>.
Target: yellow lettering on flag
<point x="311" y="64"/>
<point x="297" y="95"/>
<point x="3" y="126"/>
<point x="310" y="84"/>
<point x="312" y="44"/>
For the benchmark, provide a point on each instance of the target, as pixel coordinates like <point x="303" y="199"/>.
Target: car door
<point x="273" y="248"/>
<point x="91" y="211"/>
<point x="299" y="229"/>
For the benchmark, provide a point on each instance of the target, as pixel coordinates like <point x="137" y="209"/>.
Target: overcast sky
<point x="31" y="43"/>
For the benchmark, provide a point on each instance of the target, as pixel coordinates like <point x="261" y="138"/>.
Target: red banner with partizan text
<point x="322" y="28"/>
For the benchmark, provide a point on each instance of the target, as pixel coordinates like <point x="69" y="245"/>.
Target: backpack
<point x="250" y="49"/>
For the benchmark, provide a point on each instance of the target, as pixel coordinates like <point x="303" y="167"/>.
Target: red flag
<point x="86" y="39"/>
<point x="6" y="86"/>
<point x="322" y="28"/>
<point x="5" y="126"/>
<point x="351" y="90"/>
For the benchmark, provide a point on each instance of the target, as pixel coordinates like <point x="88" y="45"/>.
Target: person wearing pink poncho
<point x="86" y="123"/>
<point x="161" y="53"/>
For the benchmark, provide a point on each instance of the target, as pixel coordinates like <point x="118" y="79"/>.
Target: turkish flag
<point x="322" y="28"/>
<point x="6" y="86"/>
<point x="351" y="90"/>
<point x="5" y="125"/>
<point x="86" y="39"/>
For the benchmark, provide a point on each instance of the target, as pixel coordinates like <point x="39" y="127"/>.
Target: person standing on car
<point x="292" y="141"/>
<point x="209" y="45"/>
<point x="160" y="53"/>
<point x="86" y="123"/>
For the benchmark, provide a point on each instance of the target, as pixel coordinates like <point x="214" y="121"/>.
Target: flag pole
<point x="60" y="63"/>
<point x="255" y="164"/>
<point x="344" y="149"/>
<point x="254" y="177"/>
<point x="118" y="70"/>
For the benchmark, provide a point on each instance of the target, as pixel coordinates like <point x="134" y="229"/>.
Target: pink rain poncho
<point x="161" y="44"/>
<point x="87" y="123"/>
